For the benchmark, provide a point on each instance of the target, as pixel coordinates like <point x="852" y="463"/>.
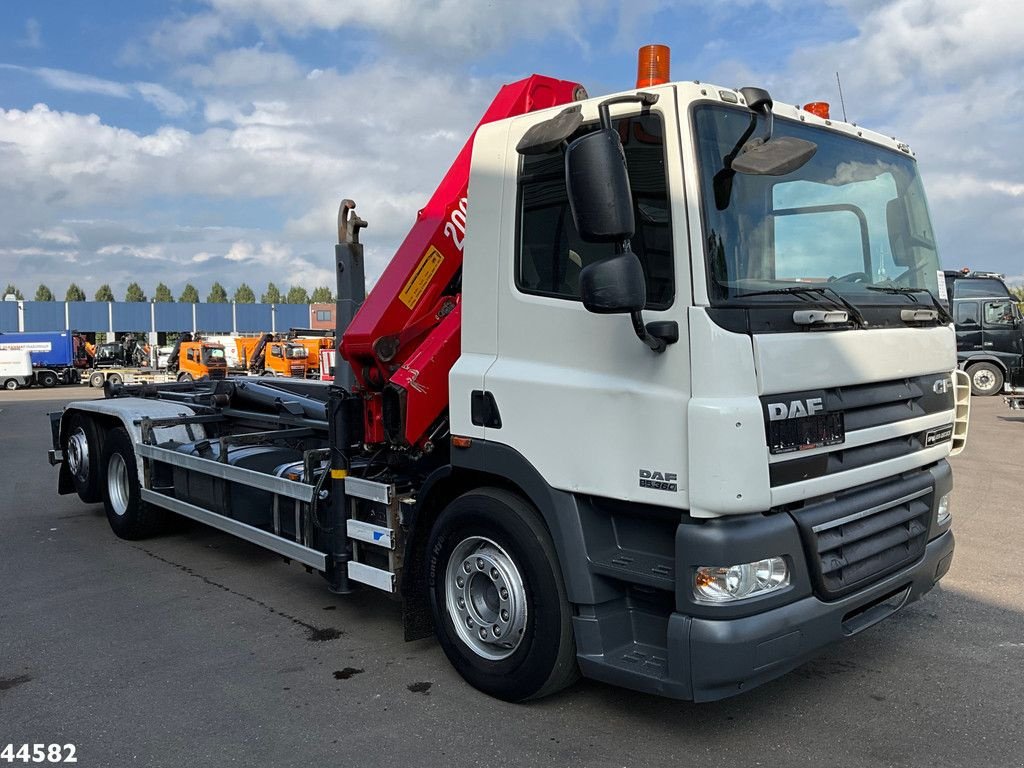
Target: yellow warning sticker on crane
<point x="425" y="270"/>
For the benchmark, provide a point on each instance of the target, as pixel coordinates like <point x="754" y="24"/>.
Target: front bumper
<point x="729" y="656"/>
<point x="705" y="652"/>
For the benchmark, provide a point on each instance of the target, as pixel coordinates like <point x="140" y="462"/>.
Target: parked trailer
<point x="690" y="500"/>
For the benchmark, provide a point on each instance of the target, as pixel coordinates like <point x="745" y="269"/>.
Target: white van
<point x="16" y="368"/>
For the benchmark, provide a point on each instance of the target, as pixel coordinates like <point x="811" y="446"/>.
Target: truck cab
<point x="201" y="358"/>
<point x="989" y="329"/>
<point x="287" y="358"/>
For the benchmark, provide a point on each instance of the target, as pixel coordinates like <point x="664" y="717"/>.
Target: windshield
<point x="853" y="216"/>
<point x="213" y="354"/>
<point x="296" y="352"/>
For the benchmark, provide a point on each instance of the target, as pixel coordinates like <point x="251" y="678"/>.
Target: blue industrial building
<point x="150" y="317"/>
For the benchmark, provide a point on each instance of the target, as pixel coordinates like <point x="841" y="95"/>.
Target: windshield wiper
<point x="909" y="293"/>
<point x="828" y="293"/>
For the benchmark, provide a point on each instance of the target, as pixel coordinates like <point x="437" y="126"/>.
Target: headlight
<point x="728" y="583"/>
<point x="943" y="514"/>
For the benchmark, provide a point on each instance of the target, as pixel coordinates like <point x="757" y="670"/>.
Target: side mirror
<point x="598" y="188"/>
<point x="614" y="285"/>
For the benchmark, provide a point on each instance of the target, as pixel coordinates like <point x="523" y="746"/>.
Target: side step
<point x="374" y="527"/>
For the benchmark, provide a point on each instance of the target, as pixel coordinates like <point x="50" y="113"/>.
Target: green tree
<point x="104" y="293"/>
<point x="11" y="289"/>
<point x="297" y="295"/>
<point x="217" y="294"/>
<point x="272" y="295"/>
<point x="322" y="295"/>
<point x="244" y="295"/>
<point x="163" y="294"/>
<point x="43" y="293"/>
<point x="134" y="293"/>
<point x="74" y="293"/>
<point x="189" y="295"/>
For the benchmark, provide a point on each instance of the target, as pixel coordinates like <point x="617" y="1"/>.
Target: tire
<point x="115" y="378"/>
<point x="986" y="379"/>
<point x="184" y="377"/>
<point x="11" y="384"/>
<point x="97" y="379"/>
<point x="129" y="516"/>
<point x="81" y="446"/>
<point x="47" y="379"/>
<point x="513" y="584"/>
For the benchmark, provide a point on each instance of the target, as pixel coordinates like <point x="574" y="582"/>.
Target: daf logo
<point x="795" y="409"/>
<point x="942" y="386"/>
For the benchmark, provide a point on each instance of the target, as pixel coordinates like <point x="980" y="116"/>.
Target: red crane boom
<point x="405" y="338"/>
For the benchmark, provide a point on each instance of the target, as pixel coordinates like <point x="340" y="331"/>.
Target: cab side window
<point x="966" y="313"/>
<point x="551" y="254"/>
<point x="999" y="313"/>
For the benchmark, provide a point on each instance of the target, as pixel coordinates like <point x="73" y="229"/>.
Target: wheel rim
<point x="11" y="384"/>
<point x="117" y="484"/>
<point x="984" y="379"/>
<point x="78" y="454"/>
<point x="486" y="598"/>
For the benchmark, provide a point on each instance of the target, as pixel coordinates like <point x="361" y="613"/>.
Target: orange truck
<point x="267" y="354"/>
<point x="314" y="345"/>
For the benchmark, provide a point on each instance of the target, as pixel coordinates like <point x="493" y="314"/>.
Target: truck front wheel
<point x="498" y="602"/>
<point x="11" y="384"/>
<point x="986" y="379"/>
<point x="96" y="380"/>
<point x="129" y="516"/>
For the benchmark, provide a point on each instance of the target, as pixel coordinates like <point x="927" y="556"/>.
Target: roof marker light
<point x="819" y="108"/>
<point x="652" y="66"/>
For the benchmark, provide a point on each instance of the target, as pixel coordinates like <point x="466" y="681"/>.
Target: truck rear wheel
<point x="47" y="379"/>
<point x="986" y="379"/>
<point x="129" y="516"/>
<point x="81" y="452"/>
<point x="115" y="378"/>
<point x="498" y="602"/>
<point x="96" y="380"/>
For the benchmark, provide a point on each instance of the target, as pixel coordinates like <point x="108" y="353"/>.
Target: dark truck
<point x="989" y="330"/>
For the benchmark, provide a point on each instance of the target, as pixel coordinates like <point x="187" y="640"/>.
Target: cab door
<point x="1001" y="330"/>
<point x="588" y="405"/>
<point x="967" y="320"/>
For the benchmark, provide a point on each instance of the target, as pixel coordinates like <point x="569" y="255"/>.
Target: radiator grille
<point x="858" y="547"/>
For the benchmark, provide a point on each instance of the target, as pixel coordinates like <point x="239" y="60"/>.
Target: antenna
<point x="841" y="102"/>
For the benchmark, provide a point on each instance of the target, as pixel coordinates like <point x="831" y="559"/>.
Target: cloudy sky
<point x="212" y="139"/>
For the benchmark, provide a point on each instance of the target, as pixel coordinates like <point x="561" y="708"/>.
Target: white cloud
<point x="33" y="35"/>
<point x="437" y="29"/>
<point x="244" y="67"/>
<point x="61" y="235"/>
<point x="165" y="100"/>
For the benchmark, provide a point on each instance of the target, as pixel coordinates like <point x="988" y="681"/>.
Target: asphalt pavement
<point x="198" y="649"/>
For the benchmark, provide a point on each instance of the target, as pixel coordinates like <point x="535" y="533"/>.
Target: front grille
<point x="863" y="536"/>
<point x="860" y="407"/>
<point x="298" y="370"/>
<point x="886" y="402"/>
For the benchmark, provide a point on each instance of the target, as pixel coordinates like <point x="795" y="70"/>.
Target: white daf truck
<point x="678" y="417"/>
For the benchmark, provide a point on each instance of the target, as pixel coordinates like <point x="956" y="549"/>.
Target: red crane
<point x="405" y="338"/>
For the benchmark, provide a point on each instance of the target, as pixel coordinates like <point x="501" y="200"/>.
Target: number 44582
<point x="38" y="753"/>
